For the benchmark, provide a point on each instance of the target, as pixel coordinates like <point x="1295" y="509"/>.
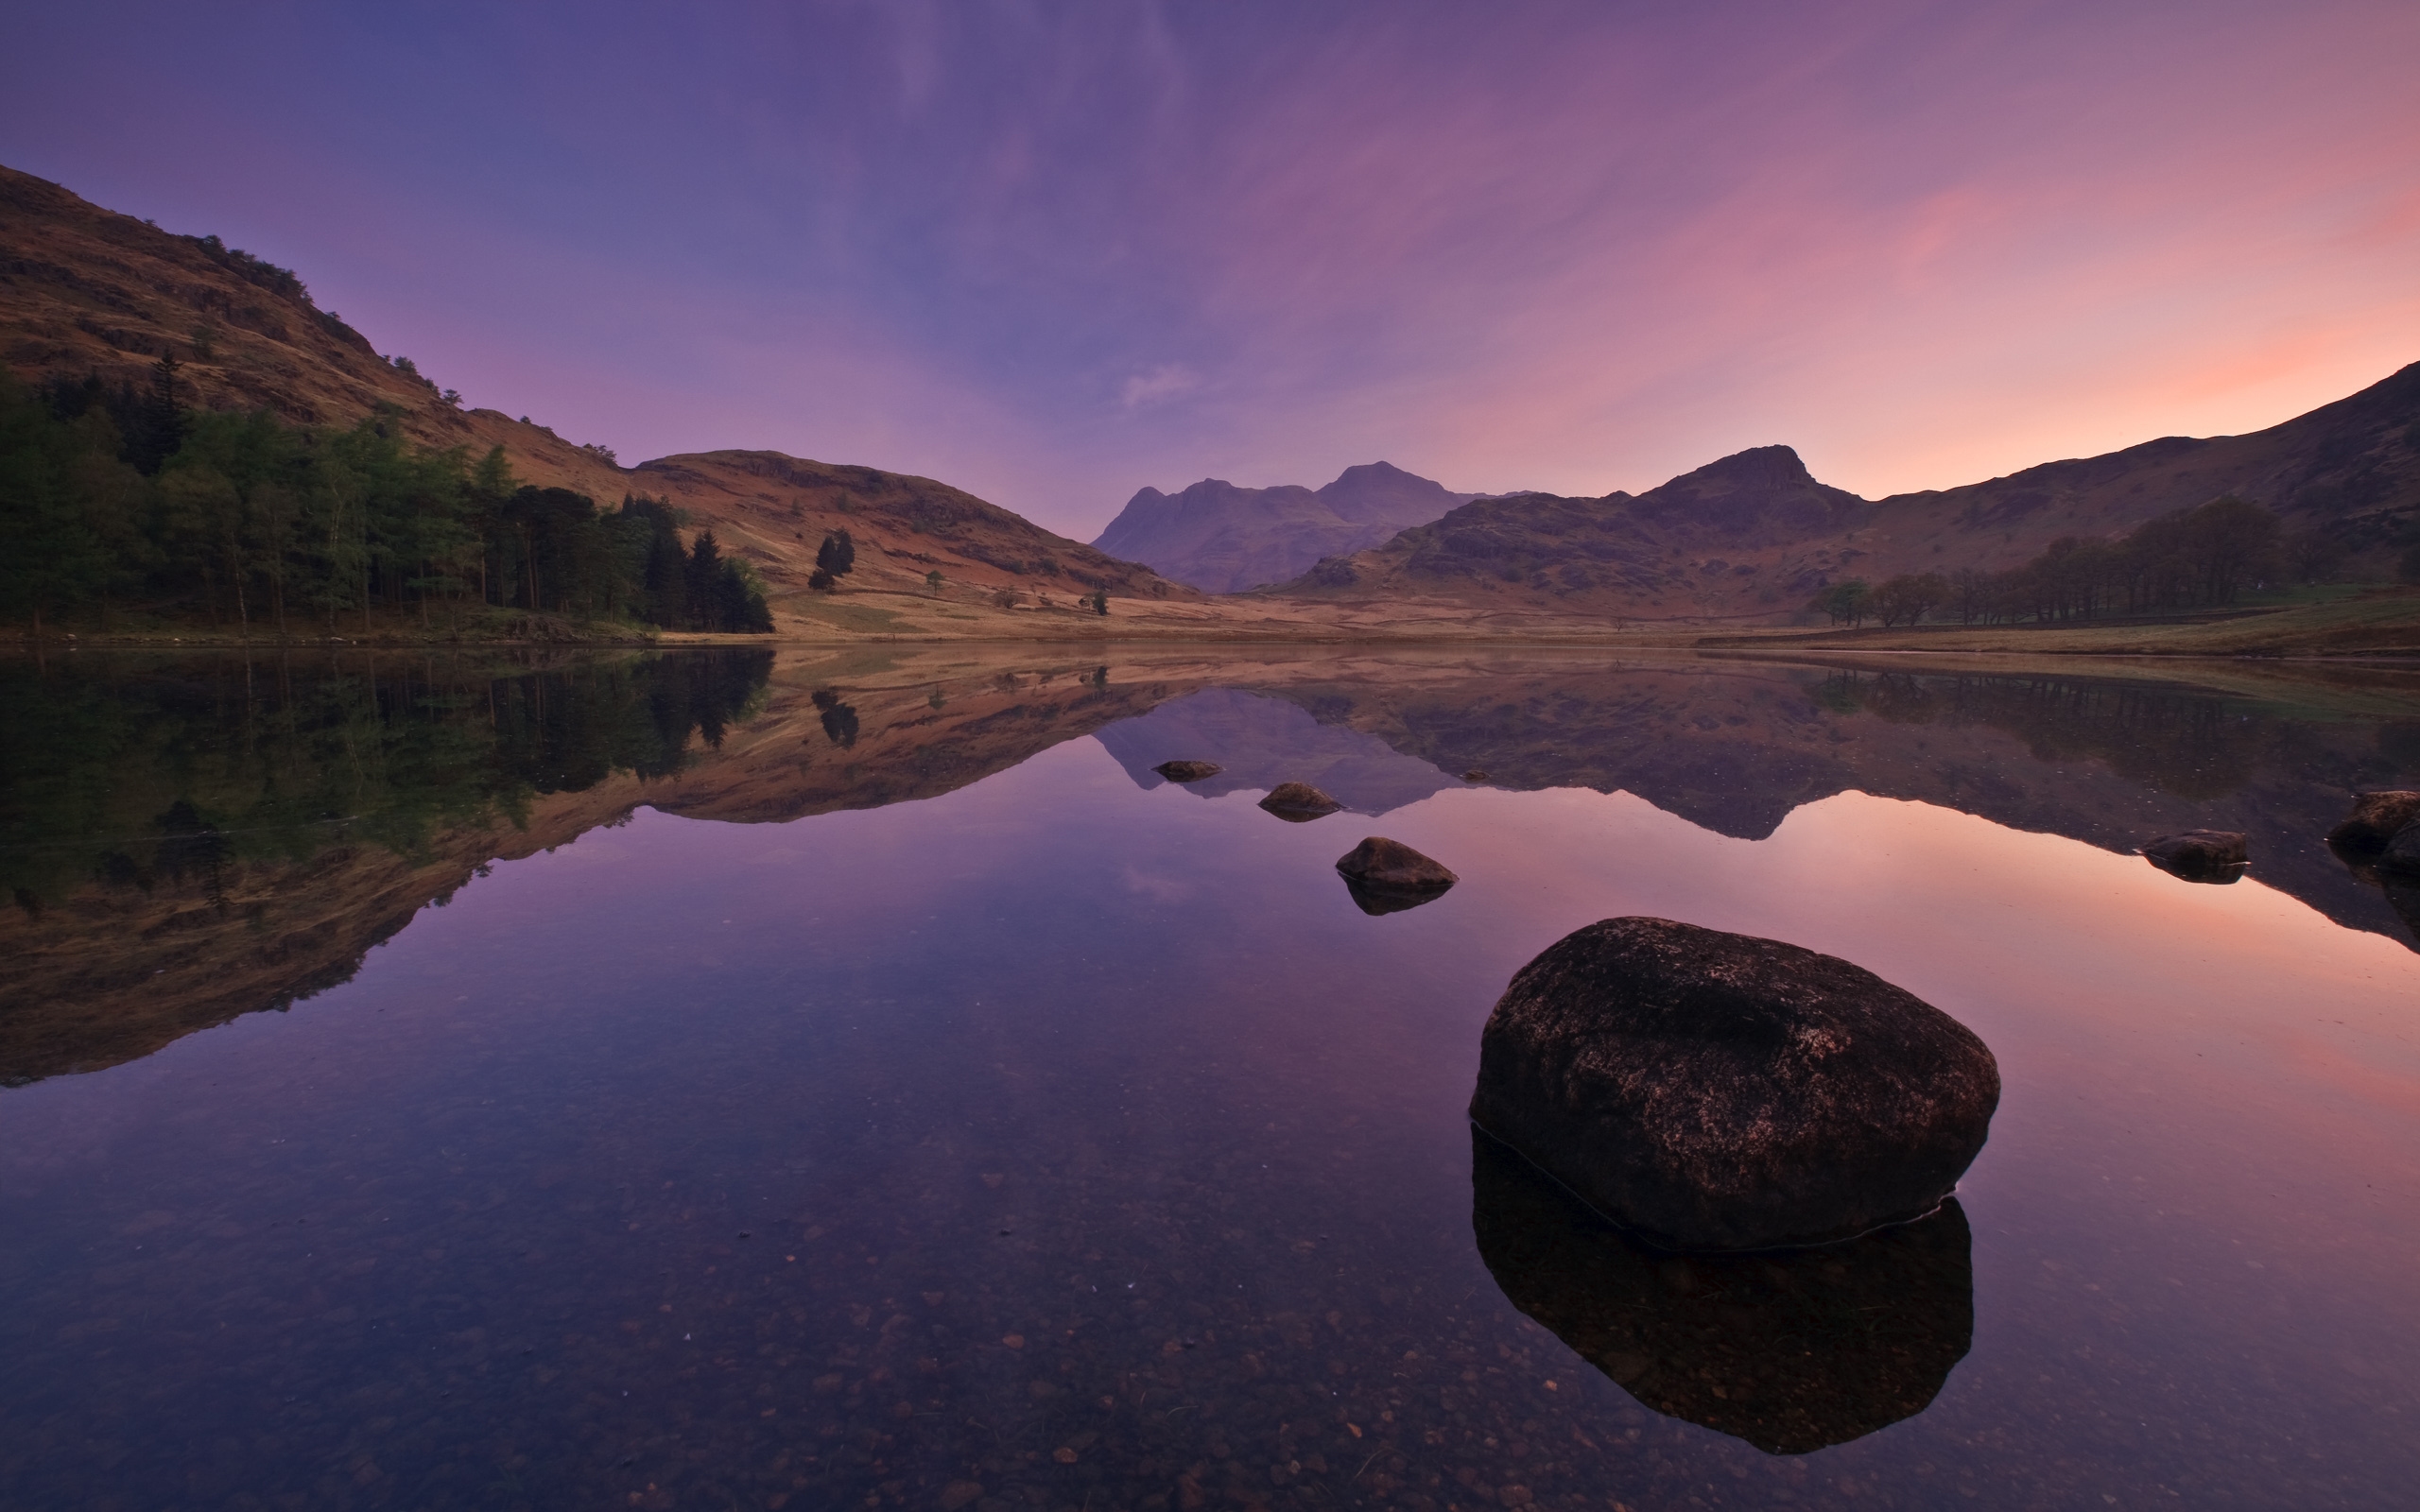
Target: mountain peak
<point x="1756" y="467"/>
<point x="1226" y="539"/>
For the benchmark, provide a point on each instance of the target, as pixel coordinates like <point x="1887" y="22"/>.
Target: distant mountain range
<point x="1752" y="535"/>
<point x="86" y="291"/>
<point x="1218" y="537"/>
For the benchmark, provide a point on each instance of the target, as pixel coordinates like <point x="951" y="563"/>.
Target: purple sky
<point x="1052" y="252"/>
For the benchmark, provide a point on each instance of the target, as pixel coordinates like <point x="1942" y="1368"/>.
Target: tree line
<point x="2201" y="557"/>
<point x="124" y="500"/>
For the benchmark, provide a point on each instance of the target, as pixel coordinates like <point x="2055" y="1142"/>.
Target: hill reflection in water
<point x="188" y="838"/>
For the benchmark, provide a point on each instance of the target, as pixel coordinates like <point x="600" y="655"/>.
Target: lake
<point x="854" y="1079"/>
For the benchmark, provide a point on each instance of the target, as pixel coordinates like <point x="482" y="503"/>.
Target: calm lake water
<point x="717" y="1079"/>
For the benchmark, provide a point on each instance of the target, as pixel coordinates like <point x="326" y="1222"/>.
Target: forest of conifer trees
<point x="122" y="505"/>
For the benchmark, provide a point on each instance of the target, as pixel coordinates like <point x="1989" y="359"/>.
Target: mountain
<point x="88" y="292"/>
<point x="1225" y="539"/>
<point x="1752" y="535"/>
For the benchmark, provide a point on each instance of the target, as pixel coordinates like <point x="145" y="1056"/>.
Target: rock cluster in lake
<point x="1712" y="1092"/>
<point x="1388" y="876"/>
<point x="1299" y="802"/>
<point x="1792" y="1352"/>
<point x="2200" y="856"/>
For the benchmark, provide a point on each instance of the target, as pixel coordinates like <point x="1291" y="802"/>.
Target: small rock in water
<point x="2374" y="821"/>
<point x="1188" y="771"/>
<point x="1298" y="802"/>
<point x="1712" y="1092"/>
<point x="1388" y="876"/>
<point x="1378" y="862"/>
<point x="2200" y="856"/>
<point x="1476" y="774"/>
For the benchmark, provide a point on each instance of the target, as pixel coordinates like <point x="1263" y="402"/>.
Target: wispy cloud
<point x="1170" y="380"/>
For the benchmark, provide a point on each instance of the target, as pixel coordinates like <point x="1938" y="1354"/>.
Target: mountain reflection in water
<point x="190" y="838"/>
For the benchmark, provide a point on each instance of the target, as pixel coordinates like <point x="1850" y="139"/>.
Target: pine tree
<point x="836" y="555"/>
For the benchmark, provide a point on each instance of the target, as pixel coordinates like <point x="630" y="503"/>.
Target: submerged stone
<point x="1713" y="1092"/>
<point x="1298" y="801"/>
<point x="1188" y="771"/>
<point x="1791" y="1351"/>
<point x="1387" y="876"/>
<point x="2375" y="820"/>
<point x="2200" y="856"/>
<point x="1378" y="862"/>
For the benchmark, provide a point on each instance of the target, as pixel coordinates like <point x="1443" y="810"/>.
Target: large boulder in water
<point x="2402" y="853"/>
<point x="2200" y="856"/>
<point x="1712" y="1092"/>
<point x="1792" y="1351"/>
<point x="2375" y="820"/>
<point x="1298" y="802"/>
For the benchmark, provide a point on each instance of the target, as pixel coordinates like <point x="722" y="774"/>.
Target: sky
<point x="1054" y="252"/>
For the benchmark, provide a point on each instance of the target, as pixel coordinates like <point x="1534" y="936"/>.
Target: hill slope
<point x="1752" y="535"/>
<point x="87" y="291"/>
<point x="1225" y="539"/>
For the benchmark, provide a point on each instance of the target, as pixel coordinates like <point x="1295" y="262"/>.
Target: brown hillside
<point x="87" y="290"/>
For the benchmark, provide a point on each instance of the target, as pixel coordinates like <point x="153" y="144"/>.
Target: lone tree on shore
<point x="833" y="560"/>
<point x="1101" y="601"/>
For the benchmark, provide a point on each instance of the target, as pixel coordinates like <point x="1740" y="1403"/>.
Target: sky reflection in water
<point x="1090" y="1146"/>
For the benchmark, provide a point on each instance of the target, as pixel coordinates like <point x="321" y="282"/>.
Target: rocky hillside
<point x="86" y="291"/>
<point x="1752" y="536"/>
<point x="1225" y="539"/>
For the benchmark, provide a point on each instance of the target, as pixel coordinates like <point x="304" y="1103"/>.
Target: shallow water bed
<point x="1055" y="1137"/>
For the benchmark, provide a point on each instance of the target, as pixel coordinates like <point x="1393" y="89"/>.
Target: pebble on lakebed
<point x="1713" y="1093"/>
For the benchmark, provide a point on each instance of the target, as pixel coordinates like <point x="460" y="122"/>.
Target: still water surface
<point x="862" y="1083"/>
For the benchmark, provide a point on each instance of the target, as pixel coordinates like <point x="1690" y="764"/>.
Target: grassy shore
<point x="2378" y="623"/>
<point x="2375" y="623"/>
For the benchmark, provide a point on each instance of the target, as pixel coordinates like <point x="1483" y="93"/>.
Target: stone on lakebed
<point x="1388" y="876"/>
<point x="1378" y="862"/>
<point x="2200" y="856"/>
<point x="2375" y="820"/>
<point x="2402" y="853"/>
<point x="1298" y="801"/>
<point x="1188" y="771"/>
<point x="1712" y="1092"/>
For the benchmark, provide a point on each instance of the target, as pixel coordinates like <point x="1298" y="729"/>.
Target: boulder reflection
<point x="1791" y="1351"/>
<point x="1378" y="900"/>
